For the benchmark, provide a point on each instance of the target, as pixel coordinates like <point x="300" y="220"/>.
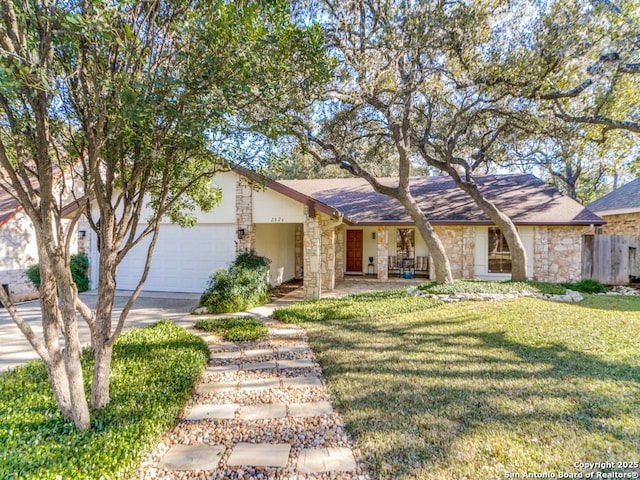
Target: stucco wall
<point x="623" y="224"/>
<point x="18" y="251"/>
<point x="277" y="242"/>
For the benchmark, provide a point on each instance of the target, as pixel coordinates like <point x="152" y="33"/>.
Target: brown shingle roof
<point x="626" y="196"/>
<point x="524" y="198"/>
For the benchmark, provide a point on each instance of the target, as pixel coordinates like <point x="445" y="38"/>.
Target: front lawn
<point x="479" y="390"/>
<point x="154" y="371"/>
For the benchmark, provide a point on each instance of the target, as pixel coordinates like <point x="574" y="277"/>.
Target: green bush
<point x="244" y="285"/>
<point x="234" y="329"/>
<point x="586" y="286"/>
<point x="484" y="286"/>
<point x="79" y="267"/>
<point x="153" y="373"/>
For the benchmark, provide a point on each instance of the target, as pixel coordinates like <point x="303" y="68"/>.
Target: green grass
<point x="366" y="305"/>
<point x="474" y="390"/>
<point x="153" y="373"/>
<point x="234" y="329"/>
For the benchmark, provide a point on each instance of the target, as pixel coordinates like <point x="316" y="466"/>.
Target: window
<point x="405" y="243"/>
<point x="499" y="254"/>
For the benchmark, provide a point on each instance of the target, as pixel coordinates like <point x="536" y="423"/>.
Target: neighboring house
<point x="18" y="249"/>
<point x="320" y="230"/>
<point x="620" y="209"/>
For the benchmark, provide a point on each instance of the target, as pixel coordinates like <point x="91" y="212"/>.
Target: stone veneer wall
<point x="557" y="253"/>
<point x="382" y="237"/>
<point x="623" y="224"/>
<point x="311" y="242"/>
<point x="340" y="238"/>
<point x="244" y="216"/>
<point x="459" y="242"/>
<point x="328" y="254"/>
<point x="299" y="237"/>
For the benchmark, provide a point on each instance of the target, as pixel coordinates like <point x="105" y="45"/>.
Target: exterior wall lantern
<point x="240" y="233"/>
<point x="373" y="235"/>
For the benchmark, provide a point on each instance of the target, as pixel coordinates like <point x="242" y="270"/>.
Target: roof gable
<point x="626" y="196"/>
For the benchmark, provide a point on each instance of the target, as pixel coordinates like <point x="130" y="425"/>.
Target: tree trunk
<point x="100" y="345"/>
<point x="506" y="226"/>
<point x="57" y="296"/>
<point x="436" y="249"/>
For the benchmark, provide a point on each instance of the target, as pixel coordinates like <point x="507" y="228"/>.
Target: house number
<point x="277" y="219"/>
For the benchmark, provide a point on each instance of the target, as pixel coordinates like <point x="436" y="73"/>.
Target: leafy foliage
<point x="365" y="305"/>
<point x="79" y="265"/>
<point x="234" y="329"/>
<point x="482" y="286"/>
<point x="244" y="285"/>
<point x="153" y="373"/>
<point x="586" y="286"/>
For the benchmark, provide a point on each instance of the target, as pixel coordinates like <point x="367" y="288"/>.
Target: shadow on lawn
<point x="410" y="383"/>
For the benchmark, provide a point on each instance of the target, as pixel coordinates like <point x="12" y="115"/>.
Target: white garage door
<point x="183" y="259"/>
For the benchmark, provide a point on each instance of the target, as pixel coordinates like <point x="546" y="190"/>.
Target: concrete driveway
<point x="148" y="309"/>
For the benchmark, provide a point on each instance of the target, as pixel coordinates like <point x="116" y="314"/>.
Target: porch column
<point x="312" y="240"/>
<point x="339" y="253"/>
<point x="245" y="238"/>
<point x="382" y="237"/>
<point x="328" y="257"/>
<point x="299" y="242"/>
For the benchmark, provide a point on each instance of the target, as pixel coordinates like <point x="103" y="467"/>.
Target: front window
<point x="406" y="243"/>
<point x="499" y="254"/>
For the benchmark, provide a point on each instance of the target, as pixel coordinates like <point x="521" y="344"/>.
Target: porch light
<point x="240" y="233"/>
<point x="373" y="235"/>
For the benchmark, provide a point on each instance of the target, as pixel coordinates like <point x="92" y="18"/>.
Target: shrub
<point x="244" y="285"/>
<point x="234" y="329"/>
<point x="79" y="267"/>
<point x="586" y="286"/>
<point x="153" y="373"/>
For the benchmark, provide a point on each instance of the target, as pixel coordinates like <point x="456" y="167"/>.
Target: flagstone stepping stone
<point x="192" y="457"/>
<point x="321" y="460"/>
<point x="259" y="455"/>
<point x="225" y="355"/>
<point x="259" y="352"/>
<point x="260" y="384"/>
<point x="263" y="411"/>
<point x="310" y="409"/>
<point x="286" y="332"/>
<point x="296" y="363"/>
<point x="207" y="411"/>
<point x="293" y="349"/>
<point x="259" y="366"/>
<point x="222" y="369"/>
<point x="214" y="387"/>
<point x="299" y="382"/>
<point x="223" y="346"/>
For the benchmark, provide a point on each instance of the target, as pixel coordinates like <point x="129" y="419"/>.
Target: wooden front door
<point x="354" y="250"/>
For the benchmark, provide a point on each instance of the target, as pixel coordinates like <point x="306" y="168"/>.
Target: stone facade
<point x="311" y="246"/>
<point x="328" y="254"/>
<point x="340" y="237"/>
<point x="299" y="246"/>
<point x="382" y="237"/>
<point x="459" y="243"/>
<point x="244" y="217"/>
<point x="557" y="253"/>
<point x="623" y="224"/>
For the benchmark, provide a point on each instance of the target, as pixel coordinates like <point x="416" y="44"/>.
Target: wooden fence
<point x="611" y="259"/>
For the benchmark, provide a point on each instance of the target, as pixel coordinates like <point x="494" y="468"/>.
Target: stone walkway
<point x="260" y="411"/>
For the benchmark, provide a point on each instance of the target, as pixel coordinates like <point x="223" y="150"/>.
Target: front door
<point x="354" y="250"/>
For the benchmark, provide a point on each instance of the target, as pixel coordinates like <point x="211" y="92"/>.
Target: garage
<point x="183" y="259"/>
